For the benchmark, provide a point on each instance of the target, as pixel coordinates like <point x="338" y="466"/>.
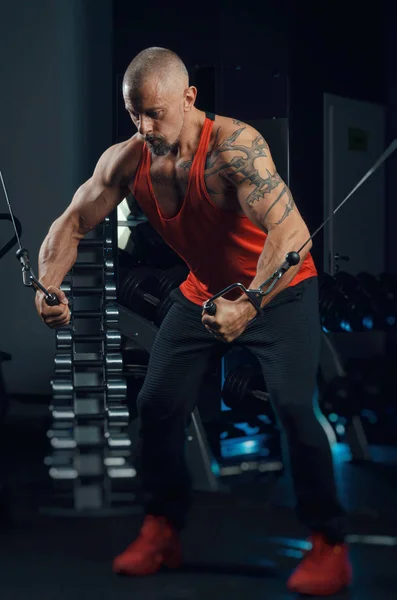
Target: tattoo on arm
<point x="237" y="122"/>
<point x="210" y="161"/>
<point x="186" y="165"/>
<point x="241" y="168"/>
<point x="259" y="148"/>
<point x="288" y="208"/>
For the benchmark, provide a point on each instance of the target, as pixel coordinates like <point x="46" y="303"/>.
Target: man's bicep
<point x="249" y="168"/>
<point x="268" y="202"/>
<point x="93" y="202"/>
<point x="99" y="195"/>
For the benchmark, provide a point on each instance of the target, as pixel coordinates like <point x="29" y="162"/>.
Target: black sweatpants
<point x="286" y="342"/>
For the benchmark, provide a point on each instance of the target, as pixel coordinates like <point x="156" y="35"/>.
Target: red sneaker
<point x="157" y="545"/>
<point x="324" y="571"/>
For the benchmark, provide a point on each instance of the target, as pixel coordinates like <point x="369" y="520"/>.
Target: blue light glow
<point x="341" y="452"/>
<point x="295" y="543"/>
<point x="345" y="325"/>
<point x="224" y="407"/>
<point x="340" y="429"/>
<point x="333" y="417"/>
<point x="368" y="323"/>
<point x="264" y="419"/>
<point x="247" y="428"/>
<point x="249" y="444"/>
<point x="215" y="468"/>
<point x="322" y="419"/>
<point x="241" y="447"/>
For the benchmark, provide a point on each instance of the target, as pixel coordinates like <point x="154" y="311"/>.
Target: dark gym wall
<point x="155" y="24"/>
<point x="336" y="51"/>
<point x="391" y="133"/>
<point x="236" y="53"/>
<point x="253" y="60"/>
<point x="55" y="120"/>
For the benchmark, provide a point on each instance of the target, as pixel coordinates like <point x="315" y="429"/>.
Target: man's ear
<point x="190" y="98"/>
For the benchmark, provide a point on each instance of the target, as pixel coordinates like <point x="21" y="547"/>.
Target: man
<point x="209" y="186"/>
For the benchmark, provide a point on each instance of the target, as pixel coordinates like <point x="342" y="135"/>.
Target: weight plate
<point x="140" y="281"/>
<point x="171" y="279"/>
<point x="162" y="310"/>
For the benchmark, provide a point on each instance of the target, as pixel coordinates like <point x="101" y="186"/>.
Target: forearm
<point x="58" y="252"/>
<point x="273" y="256"/>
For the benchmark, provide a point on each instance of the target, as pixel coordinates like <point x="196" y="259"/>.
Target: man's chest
<point x="172" y="180"/>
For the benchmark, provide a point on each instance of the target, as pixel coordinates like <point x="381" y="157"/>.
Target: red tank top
<point x="220" y="247"/>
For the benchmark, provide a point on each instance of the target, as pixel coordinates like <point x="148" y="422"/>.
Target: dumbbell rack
<point x="91" y="448"/>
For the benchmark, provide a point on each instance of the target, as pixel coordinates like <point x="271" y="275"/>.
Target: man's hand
<point x="53" y="316"/>
<point x="230" y="320"/>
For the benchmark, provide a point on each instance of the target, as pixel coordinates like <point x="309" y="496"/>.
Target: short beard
<point x="159" y="147"/>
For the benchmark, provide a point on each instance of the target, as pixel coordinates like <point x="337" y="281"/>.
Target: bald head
<point x="158" y="65"/>
<point x="158" y="98"/>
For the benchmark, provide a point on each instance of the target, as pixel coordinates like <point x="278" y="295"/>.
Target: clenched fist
<point x="230" y="320"/>
<point x="53" y="316"/>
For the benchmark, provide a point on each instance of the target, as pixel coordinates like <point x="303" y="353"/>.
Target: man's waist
<point x="199" y="289"/>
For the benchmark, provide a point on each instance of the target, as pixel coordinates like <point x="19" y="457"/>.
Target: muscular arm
<point x="245" y="164"/>
<point x="92" y="202"/>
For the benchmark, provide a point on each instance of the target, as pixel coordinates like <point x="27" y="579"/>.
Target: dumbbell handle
<point x="149" y="298"/>
<point x="153" y="300"/>
<point x="51" y="300"/>
<point x="259" y="395"/>
<point x="210" y="308"/>
<point x="255" y="295"/>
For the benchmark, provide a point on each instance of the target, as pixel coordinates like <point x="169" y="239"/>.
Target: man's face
<point x="157" y="112"/>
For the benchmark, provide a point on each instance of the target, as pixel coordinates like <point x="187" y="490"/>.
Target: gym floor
<point x="241" y="544"/>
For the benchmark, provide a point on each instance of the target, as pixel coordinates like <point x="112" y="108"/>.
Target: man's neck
<point x="190" y="136"/>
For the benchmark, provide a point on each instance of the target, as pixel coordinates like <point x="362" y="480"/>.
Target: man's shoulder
<point x="127" y="152"/>
<point x="121" y="160"/>
<point x="230" y="132"/>
<point x="229" y="122"/>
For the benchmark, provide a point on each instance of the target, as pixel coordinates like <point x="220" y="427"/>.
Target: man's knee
<point x="147" y="405"/>
<point x="295" y="407"/>
<point x="157" y="407"/>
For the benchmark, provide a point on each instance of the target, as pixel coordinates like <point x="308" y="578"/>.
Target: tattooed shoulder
<point x="231" y="154"/>
<point x="185" y="165"/>
<point x="235" y="159"/>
